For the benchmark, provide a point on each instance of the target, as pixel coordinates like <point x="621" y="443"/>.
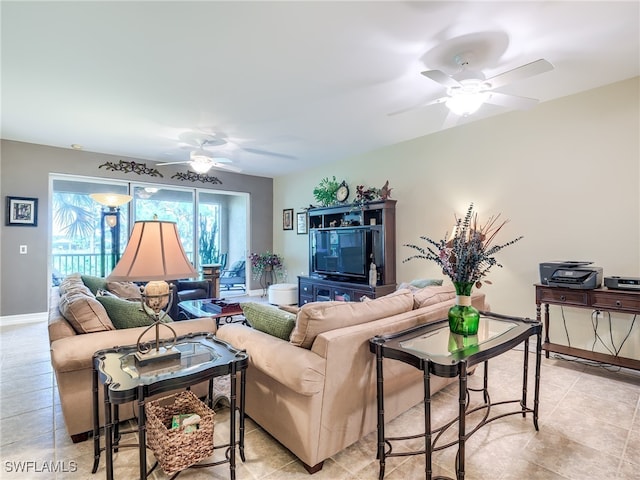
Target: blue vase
<point x="464" y="318"/>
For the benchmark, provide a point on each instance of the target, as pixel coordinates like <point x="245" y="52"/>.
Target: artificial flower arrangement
<point x="468" y="255"/>
<point x="465" y="258"/>
<point x="371" y="194"/>
<point x="261" y="262"/>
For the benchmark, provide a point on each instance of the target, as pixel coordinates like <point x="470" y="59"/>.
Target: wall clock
<point x="343" y="192"/>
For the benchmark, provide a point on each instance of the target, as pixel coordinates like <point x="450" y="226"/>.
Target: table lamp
<point x="154" y="254"/>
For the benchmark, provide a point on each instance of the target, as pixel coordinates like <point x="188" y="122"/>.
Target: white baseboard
<point x="23" y="319"/>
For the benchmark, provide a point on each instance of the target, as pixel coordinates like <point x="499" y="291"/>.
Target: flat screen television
<point x="341" y="252"/>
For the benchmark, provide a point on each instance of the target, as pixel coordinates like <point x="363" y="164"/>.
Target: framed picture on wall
<point x="287" y="219"/>
<point x="302" y="226"/>
<point x="22" y="211"/>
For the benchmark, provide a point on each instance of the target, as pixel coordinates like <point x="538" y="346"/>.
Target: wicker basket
<point x="175" y="449"/>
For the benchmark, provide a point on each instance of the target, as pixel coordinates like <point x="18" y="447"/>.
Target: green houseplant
<point x="465" y="257"/>
<point x="325" y="192"/>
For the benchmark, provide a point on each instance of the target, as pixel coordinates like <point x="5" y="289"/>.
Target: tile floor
<point x="589" y="429"/>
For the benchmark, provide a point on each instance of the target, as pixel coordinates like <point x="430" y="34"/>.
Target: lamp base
<point x="163" y="354"/>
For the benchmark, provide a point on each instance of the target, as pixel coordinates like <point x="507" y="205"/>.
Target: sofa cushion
<point x="318" y="317"/>
<point x="126" y="313"/>
<point x="269" y="319"/>
<point x="432" y="295"/>
<point x="84" y="313"/>
<point x="126" y="290"/>
<point x="94" y="283"/>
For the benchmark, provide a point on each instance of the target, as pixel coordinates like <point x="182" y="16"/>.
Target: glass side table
<point x="203" y="357"/>
<point x="433" y="349"/>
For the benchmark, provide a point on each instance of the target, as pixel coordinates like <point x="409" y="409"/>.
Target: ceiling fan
<point x="468" y="90"/>
<point x="201" y="160"/>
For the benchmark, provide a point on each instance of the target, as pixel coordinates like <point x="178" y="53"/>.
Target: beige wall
<point x="566" y="173"/>
<point x="25" y="169"/>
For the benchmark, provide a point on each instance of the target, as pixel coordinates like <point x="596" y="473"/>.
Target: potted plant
<point x="465" y="257"/>
<point x="325" y="192"/>
<point x="266" y="262"/>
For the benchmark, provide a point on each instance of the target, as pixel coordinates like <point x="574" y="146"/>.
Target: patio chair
<point x="234" y="276"/>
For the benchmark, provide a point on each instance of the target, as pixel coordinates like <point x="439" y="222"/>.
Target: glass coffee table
<point x="216" y="308"/>
<point x="203" y="357"/>
<point x="433" y="349"/>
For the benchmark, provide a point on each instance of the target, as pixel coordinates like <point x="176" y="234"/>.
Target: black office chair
<point x="234" y="276"/>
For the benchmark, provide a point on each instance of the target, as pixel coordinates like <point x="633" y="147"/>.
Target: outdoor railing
<point x="86" y="263"/>
<point x="64" y="264"/>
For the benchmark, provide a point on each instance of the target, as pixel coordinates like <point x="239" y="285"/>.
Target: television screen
<point x="340" y="252"/>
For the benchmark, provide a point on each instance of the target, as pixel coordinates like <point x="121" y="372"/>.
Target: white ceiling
<point x="289" y="85"/>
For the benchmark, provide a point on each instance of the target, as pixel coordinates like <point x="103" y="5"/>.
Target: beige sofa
<point x="71" y="357"/>
<point x="318" y="400"/>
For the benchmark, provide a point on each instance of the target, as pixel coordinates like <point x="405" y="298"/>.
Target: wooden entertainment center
<point x="375" y="219"/>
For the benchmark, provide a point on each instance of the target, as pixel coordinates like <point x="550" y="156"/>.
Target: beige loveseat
<point x="316" y="393"/>
<point x="72" y="352"/>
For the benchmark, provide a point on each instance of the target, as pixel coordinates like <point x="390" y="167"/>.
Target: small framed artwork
<point x="22" y="211"/>
<point x="302" y="226"/>
<point x="287" y="219"/>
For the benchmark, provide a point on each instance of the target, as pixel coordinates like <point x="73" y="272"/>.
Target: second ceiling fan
<point x="201" y="160"/>
<point x="468" y="90"/>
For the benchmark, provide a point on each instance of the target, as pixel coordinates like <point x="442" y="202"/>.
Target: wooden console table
<point x="622" y="301"/>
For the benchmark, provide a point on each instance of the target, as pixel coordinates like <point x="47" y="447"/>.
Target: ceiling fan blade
<point x="524" y="71"/>
<point x="511" y="101"/>
<point x="224" y="166"/>
<point x="423" y="104"/>
<point x="441" y="77"/>
<point x="451" y="120"/>
<point x="258" y="151"/>
<point x="171" y="163"/>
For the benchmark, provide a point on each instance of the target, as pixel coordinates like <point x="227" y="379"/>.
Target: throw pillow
<point x="126" y="313"/>
<point x="432" y="295"/>
<point x="84" y="313"/>
<point x="269" y="319"/>
<point x="94" y="283"/>
<point x="126" y="290"/>
<point x="318" y="317"/>
<point x="73" y="284"/>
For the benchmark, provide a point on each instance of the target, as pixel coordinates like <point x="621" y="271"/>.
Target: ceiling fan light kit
<point x="464" y="104"/>
<point x="467" y="90"/>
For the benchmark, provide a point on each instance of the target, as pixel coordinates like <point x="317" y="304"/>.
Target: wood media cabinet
<point x="379" y="220"/>
<point x="603" y="299"/>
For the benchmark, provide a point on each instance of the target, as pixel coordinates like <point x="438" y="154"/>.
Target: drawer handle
<point x="618" y="303"/>
<point x="563" y="297"/>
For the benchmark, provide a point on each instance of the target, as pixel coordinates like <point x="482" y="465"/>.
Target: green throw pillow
<point x="269" y="319"/>
<point x="126" y="314"/>
<point x="94" y="283"/>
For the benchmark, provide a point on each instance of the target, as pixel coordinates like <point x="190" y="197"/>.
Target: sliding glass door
<point x="81" y="239"/>
<point x="212" y="224"/>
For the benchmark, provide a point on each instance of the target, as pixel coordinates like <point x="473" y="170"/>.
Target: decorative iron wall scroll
<point x="127" y="167"/>
<point x="197" y="177"/>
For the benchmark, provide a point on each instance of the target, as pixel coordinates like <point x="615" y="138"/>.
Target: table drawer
<point x="306" y="288"/>
<point x="563" y="297"/>
<point x="614" y="301"/>
<point x="304" y="299"/>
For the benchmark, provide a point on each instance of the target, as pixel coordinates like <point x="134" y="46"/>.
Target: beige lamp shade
<point x="154" y="252"/>
<point x="111" y="199"/>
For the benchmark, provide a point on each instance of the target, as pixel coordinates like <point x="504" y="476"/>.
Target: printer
<point x="571" y="274"/>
